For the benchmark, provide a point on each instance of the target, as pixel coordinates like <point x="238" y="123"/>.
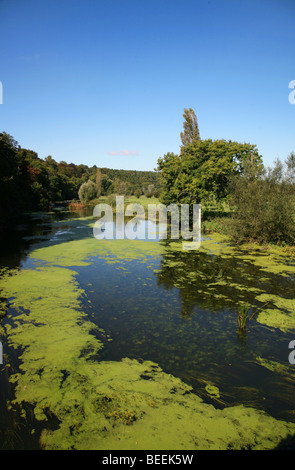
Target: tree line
<point x="29" y="183"/>
<point x="208" y="172"/>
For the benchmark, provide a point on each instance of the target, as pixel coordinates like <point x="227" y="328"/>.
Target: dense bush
<point x="137" y="193"/>
<point x="264" y="204"/>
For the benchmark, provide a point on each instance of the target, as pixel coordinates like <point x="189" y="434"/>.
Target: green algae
<point x="273" y="259"/>
<point x="216" y="289"/>
<point x="275" y="366"/>
<point x="80" y="252"/>
<point x="281" y="315"/>
<point x="134" y="405"/>
<point x="107" y="404"/>
<point x="50" y="329"/>
<point x="212" y="390"/>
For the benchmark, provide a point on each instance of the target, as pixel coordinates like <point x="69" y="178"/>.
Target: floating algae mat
<point x="133" y="345"/>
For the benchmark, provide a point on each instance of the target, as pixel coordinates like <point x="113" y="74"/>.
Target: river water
<point x="175" y="308"/>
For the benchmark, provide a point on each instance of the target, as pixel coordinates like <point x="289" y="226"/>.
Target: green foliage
<point x="122" y="188"/>
<point x="98" y="181"/>
<point x="204" y="170"/>
<point x="106" y="185"/>
<point x="264" y="205"/>
<point x="150" y="191"/>
<point x="190" y="132"/>
<point x="290" y="168"/>
<point x="87" y="191"/>
<point x="137" y="180"/>
<point x="28" y="182"/>
<point x="8" y="173"/>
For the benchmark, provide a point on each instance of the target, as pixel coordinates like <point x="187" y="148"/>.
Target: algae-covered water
<point x="134" y="344"/>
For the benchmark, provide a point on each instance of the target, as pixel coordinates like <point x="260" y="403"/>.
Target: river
<point x="134" y="344"/>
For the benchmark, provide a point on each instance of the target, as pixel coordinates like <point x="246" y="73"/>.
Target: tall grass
<point x="243" y="317"/>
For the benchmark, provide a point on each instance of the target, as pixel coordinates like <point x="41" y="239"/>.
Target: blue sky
<point x="105" y="82"/>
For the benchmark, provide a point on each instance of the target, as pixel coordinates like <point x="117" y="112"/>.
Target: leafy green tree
<point x="122" y="188"/>
<point x="290" y="168"/>
<point x="87" y="191"/>
<point x="149" y="191"/>
<point x="203" y="170"/>
<point x="106" y="185"/>
<point x="9" y="194"/>
<point x="168" y="167"/>
<point x="190" y="132"/>
<point x="33" y="180"/>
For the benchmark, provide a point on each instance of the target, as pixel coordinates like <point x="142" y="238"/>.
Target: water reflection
<point x="208" y="281"/>
<point x="178" y="310"/>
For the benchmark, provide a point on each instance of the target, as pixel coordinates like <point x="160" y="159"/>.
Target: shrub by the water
<point x="264" y="205"/>
<point x="87" y="191"/>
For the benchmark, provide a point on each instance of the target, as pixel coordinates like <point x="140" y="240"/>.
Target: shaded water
<point x="177" y="309"/>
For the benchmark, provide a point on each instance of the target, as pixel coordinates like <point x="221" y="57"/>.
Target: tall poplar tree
<point x="98" y="181"/>
<point x="191" y="131"/>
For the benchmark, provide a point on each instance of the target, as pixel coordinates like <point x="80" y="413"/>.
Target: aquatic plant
<point x="243" y="315"/>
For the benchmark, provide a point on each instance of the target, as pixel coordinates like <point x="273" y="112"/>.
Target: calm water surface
<point x="159" y="311"/>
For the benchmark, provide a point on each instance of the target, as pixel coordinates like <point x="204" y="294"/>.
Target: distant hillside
<point x="138" y="179"/>
<point x="28" y="182"/>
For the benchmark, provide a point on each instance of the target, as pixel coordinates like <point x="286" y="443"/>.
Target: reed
<point x="243" y="315"/>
